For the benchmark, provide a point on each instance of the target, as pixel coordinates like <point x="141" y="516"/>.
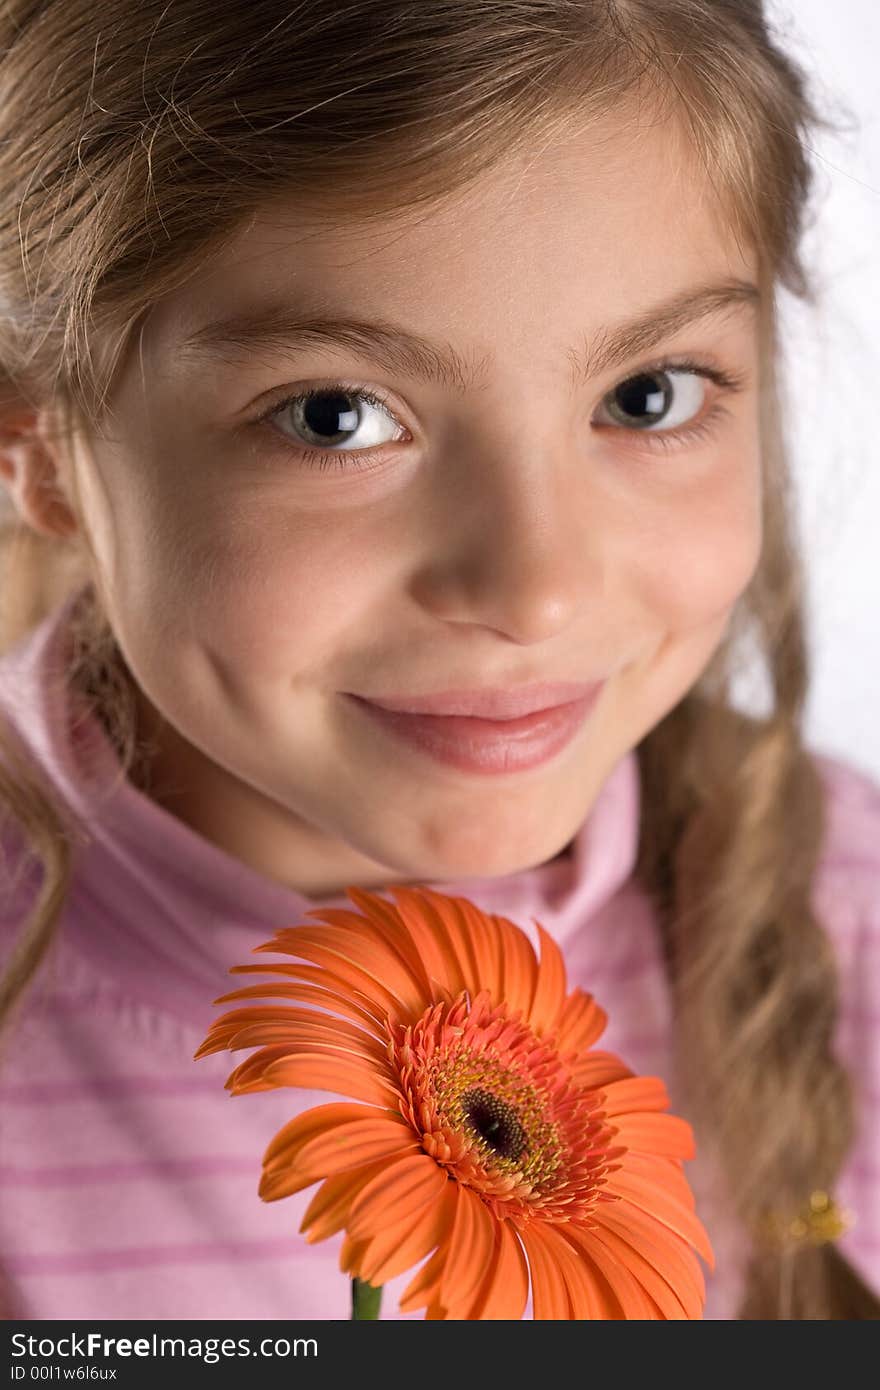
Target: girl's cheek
<point x="278" y="591"/>
<point x="700" y="557"/>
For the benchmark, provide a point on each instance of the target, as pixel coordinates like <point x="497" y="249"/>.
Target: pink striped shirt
<point x="128" y="1175"/>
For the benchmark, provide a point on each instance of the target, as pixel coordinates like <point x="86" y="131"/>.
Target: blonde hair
<point x="137" y="136"/>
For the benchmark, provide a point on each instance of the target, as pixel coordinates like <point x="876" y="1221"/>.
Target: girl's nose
<point x="514" y="545"/>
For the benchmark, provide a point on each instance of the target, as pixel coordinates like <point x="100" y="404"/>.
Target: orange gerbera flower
<point x="486" y="1133"/>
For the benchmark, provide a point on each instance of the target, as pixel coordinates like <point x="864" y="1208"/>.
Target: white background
<point x="831" y="371"/>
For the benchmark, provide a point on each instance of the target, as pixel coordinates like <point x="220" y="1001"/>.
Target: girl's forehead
<point x="582" y="185"/>
<point x="580" y="235"/>
<point x="596" y="223"/>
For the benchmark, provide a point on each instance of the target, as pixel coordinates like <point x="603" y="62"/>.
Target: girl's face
<point x="483" y="509"/>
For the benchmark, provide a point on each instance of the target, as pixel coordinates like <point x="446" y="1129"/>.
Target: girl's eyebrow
<point x="279" y="328"/>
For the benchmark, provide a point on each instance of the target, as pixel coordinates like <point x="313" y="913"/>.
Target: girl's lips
<point x="486" y="745"/>
<point x="504" y="702"/>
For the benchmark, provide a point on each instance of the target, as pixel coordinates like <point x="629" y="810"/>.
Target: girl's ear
<point x="30" y="472"/>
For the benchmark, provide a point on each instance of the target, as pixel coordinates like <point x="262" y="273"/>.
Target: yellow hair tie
<point x="817" y="1223"/>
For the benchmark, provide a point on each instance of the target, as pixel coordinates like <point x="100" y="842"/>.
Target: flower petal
<point x="441" y="963"/>
<point x="424" y="1286"/>
<point x="303" y="1127"/>
<point x="669" y="1172"/>
<point x="407" y="1185"/>
<point x="634" y="1301"/>
<point x="596" y="1069"/>
<point x="296" y="1031"/>
<point x="549" y="995"/>
<point x="471" y="1246"/>
<point x="345" y="1146"/>
<point x="248" y="1075"/>
<point x="485" y="943"/>
<point x="446" y="924"/>
<point x="415" y="1242"/>
<point x="325" y="1071"/>
<point x="592" y="1297"/>
<point x="274" y="1186"/>
<point x="635" y="1093"/>
<point x="350" y="1256"/>
<point x="328" y="1001"/>
<point x="386" y="919"/>
<point x="416" y="1219"/>
<point x="658" y="1202"/>
<point x="671" y="1256"/>
<point x="328" y="1210"/>
<point x="667" y="1135"/>
<point x="672" y="1306"/>
<point x="436" y="1310"/>
<point x="520" y="966"/>
<point x="293" y="1137"/>
<point x="321" y="977"/>
<point x="374" y="965"/>
<point x="581" y="1023"/>
<point x="505" y="1289"/>
<point x="550" y="1299"/>
<point x="676" y="1297"/>
<point x="335" y="971"/>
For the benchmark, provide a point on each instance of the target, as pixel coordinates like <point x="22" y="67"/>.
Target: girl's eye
<point x="668" y="397"/>
<point x="336" y="418"/>
<point x="337" y="425"/>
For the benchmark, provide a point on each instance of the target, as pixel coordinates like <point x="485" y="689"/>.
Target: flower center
<point x="496" y="1106"/>
<point x="496" y="1122"/>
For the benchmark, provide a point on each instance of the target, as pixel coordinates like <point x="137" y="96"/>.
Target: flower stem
<point x="365" y="1299"/>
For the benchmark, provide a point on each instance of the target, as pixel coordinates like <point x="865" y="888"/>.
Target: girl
<point x="353" y="356"/>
